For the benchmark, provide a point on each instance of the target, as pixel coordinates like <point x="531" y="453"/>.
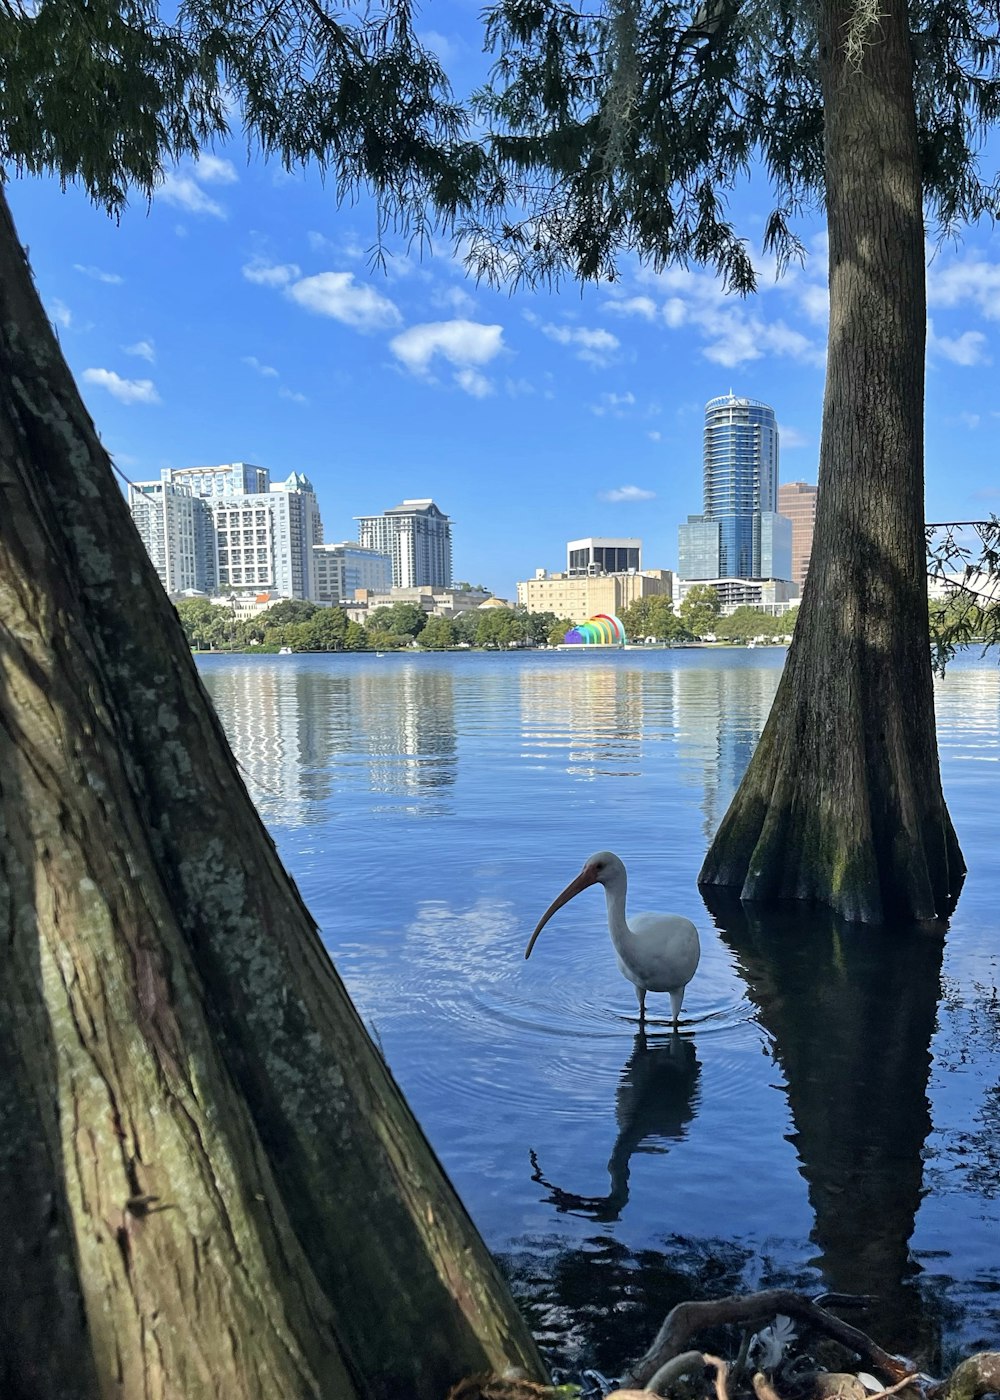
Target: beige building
<point x="578" y="598"/>
<point x="438" y="602"/>
<point x="797" y="503"/>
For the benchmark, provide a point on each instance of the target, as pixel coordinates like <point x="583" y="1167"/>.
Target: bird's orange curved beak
<point x="583" y="881"/>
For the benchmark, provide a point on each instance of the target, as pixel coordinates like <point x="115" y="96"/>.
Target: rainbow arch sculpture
<point x="603" y="630"/>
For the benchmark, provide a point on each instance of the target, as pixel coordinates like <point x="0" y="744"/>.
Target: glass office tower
<point x="740" y="478"/>
<point x="740" y="533"/>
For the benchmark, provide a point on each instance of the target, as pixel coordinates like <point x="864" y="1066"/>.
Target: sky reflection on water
<point x="832" y="1116"/>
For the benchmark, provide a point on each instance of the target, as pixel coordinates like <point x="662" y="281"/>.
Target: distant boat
<point x="284" y="651"/>
<point x="380" y="653"/>
<point x="752" y="642"/>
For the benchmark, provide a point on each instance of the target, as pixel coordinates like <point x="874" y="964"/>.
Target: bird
<point x="656" y="952"/>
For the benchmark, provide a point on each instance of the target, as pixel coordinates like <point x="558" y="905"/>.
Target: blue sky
<point x="239" y="318"/>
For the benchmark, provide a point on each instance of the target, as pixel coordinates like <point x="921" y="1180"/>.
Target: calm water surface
<point x="829" y="1116"/>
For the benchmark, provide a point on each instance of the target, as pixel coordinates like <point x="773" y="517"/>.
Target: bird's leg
<point x="675" y="1003"/>
<point x="641" y="994"/>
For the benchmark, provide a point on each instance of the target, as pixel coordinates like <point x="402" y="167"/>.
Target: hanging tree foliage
<point x="622" y="129"/>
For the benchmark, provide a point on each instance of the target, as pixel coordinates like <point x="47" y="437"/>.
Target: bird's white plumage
<point x="656" y="952"/>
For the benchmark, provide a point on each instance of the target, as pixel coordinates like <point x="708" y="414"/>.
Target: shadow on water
<point x="600" y="1303"/>
<point x="851" y="1011"/>
<point x="655" y="1100"/>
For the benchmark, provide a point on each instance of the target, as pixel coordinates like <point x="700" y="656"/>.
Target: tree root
<point x="665" y="1362"/>
<point x="686" y="1319"/>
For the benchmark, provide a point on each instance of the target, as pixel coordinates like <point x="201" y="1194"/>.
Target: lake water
<point x="829" y="1116"/>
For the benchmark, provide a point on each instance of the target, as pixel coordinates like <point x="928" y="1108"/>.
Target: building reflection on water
<point x="301" y="732"/>
<point x="588" y="717"/>
<point x="720" y="714"/>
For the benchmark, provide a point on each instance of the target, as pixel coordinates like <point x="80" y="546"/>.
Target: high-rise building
<point x="416" y="535"/>
<point x="740" y="517"/>
<point x="265" y="539"/>
<point x="231" y="479"/>
<point x="797" y="503"/>
<point x="596" y="556"/>
<point x="341" y="569"/>
<point x="230" y="529"/>
<point x="176" y="528"/>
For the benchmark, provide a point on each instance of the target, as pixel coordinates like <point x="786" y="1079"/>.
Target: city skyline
<point x="177" y="515"/>
<point x="240" y="318"/>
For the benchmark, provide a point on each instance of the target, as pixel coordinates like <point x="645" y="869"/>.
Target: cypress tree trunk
<point x="842" y="801"/>
<point x="209" y="1183"/>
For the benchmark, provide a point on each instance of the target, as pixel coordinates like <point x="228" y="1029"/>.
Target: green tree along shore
<point x="305" y="626"/>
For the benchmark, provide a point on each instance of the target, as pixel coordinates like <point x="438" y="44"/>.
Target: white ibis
<point x="656" y="952"/>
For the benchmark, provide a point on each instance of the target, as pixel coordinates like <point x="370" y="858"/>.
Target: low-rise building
<point x="582" y="596"/>
<point x="770" y="595"/>
<point x="436" y="602"/>
<point x="342" y="569"/>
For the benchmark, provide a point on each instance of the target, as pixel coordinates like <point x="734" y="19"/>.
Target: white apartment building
<point x="770" y="595"/>
<point x="342" y="569"/>
<point x="230" y="479"/>
<point x="416" y="535"/>
<point x="265" y="542"/>
<point x="230" y="529"/>
<point x="176" y="527"/>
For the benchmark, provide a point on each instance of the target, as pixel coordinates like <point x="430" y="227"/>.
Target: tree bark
<point x="209" y="1183"/>
<point x="842" y="801"/>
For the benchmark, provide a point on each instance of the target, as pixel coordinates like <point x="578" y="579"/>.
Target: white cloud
<point x="461" y="343"/>
<point x="791" y="437"/>
<point x="291" y="395"/>
<point x="655" y="435"/>
<point x="627" y="493"/>
<point x="814" y="301"/>
<point x="473" y="382"/>
<point x="967" y="349"/>
<point x="615" y="404"/>
<point x="212" y="170"/>
<point x="596" y="347"/>
<point x="126" y="390"/>
<point x="735" y="332"/>
<point x="319" y="242"/>
<point x="973" y="280"/>
<point x="447" y="50"/>
<point x="185" y="192"/>
<point x="455" y="299"/>
<point x="970" y="420"/>
<point x="266" y="274"/>
<point x="336" y="294"/>
<point x="60" y="313"/>
<point x="633" y="306"/>
<point x="268" y="371"/>
<point x="675" y="312"/>
<point x="144" y="349"/>
<point x="99" y="275"/>
<point x="517" y="388"/>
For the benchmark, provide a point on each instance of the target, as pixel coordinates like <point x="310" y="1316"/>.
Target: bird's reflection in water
<point x="655" y="1101"/>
